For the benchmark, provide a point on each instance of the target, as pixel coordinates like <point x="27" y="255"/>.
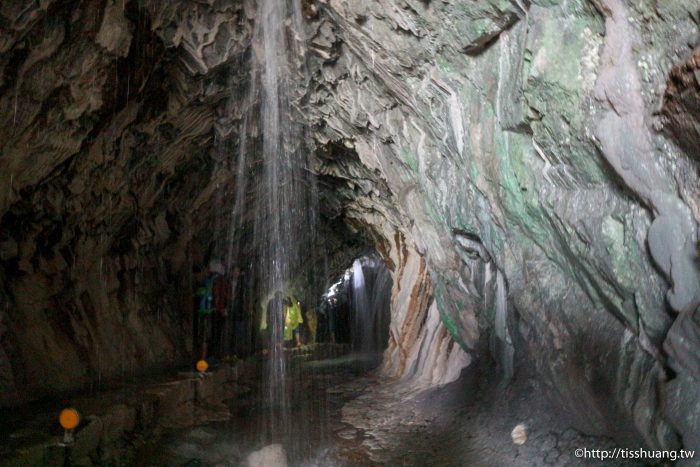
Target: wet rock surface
<point x="344" y="416"/>
<point x="314" y="416"/>
<point x="126" y="426"/>
<point x="527" y="169"/>
<point x="115" y="423"/>
<point x="117" y="175"/>
<point x="468" y="422"/>
<point x="106" y="174"/>
<point x="519" y="147"/>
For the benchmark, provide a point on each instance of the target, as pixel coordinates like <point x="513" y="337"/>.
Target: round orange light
<point x="202" y="366"/>
<point x="69" y="418"/>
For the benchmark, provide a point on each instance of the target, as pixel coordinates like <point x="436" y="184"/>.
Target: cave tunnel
<point x="349" y="233"/>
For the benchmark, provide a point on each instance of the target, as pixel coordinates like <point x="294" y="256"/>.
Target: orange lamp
<point x="202" y="366"/>
<point x="69" y="419"/>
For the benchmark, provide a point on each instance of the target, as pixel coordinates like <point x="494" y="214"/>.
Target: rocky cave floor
<point x="466" y="423"/>
<point x="345" y="416"/>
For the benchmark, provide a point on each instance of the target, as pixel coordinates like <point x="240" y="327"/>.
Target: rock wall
<point x="119" y="134"/>
<point x="421" y="352"/>
<point x="533" y="163"/>
<point x="519" y="146"/>
<point x="108" y="173"/>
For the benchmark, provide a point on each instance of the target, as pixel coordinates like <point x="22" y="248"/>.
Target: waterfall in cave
<point x="360" y="310"/>
<point x="370" y="295"/>
<point x="275" y="192"/>
<point x="351" y="232"/>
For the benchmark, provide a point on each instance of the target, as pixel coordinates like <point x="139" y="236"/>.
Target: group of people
<point x="290" y="323"/>
<point x="283" y="321"/>
<point x="221" y="324"/>
<point x="226" y="324"/>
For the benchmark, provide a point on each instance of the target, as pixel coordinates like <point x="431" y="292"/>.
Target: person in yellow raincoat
<point x="292" y="320"/>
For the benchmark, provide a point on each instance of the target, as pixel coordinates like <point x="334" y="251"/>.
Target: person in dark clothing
<point x="274" y="321"/>
<point x="240" y="319"/>
<point x="329" y="315"/>
<point x="311" y="323"/>
<point x="212" y="295"/>
<point x="257" y="333"/>
<point x="199" y="276"/>
<point x="204" y="317"/>
<point x="343" y="319"/>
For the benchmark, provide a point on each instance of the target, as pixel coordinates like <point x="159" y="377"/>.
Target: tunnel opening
<point x="356" y="307"/>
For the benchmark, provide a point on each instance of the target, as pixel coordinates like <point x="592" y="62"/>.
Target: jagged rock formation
<point x="421" y="353"/>
<point x="516" y="144"/>
<point x="117" y="172"/>
<point x="109" y="115"/>
<point x="527" y="169"/>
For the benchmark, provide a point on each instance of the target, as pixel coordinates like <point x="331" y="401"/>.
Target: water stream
<point x="273" y="222"/>
<point x="275" y="194"/>
<point x="318" y="389"/>
<point x="371" y="293"/>
<point x="361" y="310"/>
